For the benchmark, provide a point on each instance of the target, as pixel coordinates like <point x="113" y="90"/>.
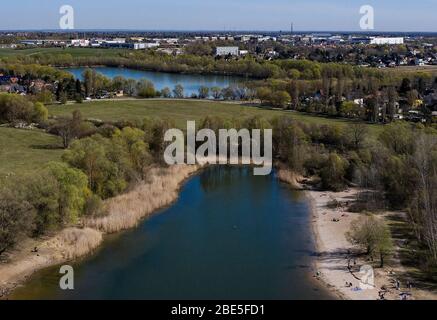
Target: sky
<point x="229" y="15"/>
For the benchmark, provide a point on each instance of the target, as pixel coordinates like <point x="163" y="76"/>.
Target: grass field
<point x="22" y="151"/>
<point x="179" y="111"/>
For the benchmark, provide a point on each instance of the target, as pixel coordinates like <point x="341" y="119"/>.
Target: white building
<point x="383" y="41"/>
<point x="80" y="43"/>
<point x="116" y="41"/>
<point x="224" y="51"/>
<point x="150" y="45"/>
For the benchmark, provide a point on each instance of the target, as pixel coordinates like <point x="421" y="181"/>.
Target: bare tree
<point x="425" y="209"/>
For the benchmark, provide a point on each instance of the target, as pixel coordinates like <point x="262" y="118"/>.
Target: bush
<point x="280" y="99"/>
<point x="372" y="235"/>
<point x="16" y="219"/>
<point x="333" y="172"/>
<point x="63" y="97"/>
<point x="78" y="97"/>
<point x="58" y="194"/>
<point x="145" y="89"/>
<point x="94" y="206"/>
<point x="14" y="107"/>
<point x="45" y="97"/>
<point x="40" y="113"/>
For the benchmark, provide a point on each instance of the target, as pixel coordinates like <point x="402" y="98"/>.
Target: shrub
<point x="16" y="219"/>
<point x="15" y="108"/>
<point x="372" y="235"/>
<point x="40" y="113"/>
<point x="333" y="172"/>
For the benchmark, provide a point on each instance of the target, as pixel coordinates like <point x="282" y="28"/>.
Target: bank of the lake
<point x="124" y="211"/>
<point x="230" y="235"/>
<point x="190" y="82"/>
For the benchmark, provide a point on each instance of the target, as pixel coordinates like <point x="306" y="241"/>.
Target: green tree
<point x="280" y="99"/>
<point x="333" y="172"/>
<point x="63" y="97"/>
<point x="15" y="107"/>
<point x="216" y="92"/>
<point x="59" y="194"/>
<point x="203" y="92"/>
<point x="40" y="113"/>
<point x="69" y="128"/>
<point x="145" y="89"/>
<point x="398" y="137"/>
<point x="166" y="93"/>
<point x="136" y="149"/>
<point x="16" y="219"/>
<point x="101" y="161"/>
<point x="178" y="91"/>
<point x="350" y="109"/>
<point x="45" y="97"/>
<point x="43" y="194"/>
<point x="373" y="236"/>
<point x="264" y="94"/>
<point x="73" y="191"/>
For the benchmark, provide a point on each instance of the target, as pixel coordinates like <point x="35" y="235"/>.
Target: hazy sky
<point x="390" y="15"/>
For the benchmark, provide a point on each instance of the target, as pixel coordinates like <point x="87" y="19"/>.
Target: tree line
<point x="103" y="159"/>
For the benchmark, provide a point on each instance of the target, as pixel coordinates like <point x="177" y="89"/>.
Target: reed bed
<point x="289" y="177"/>
<point x="72" y="243"/>
<point x="127" y="210"/>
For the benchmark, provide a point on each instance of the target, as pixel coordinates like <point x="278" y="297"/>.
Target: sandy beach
<point x="124" y="211"/>
<point x="335" y="253"/>
<point x="332" y="247"/>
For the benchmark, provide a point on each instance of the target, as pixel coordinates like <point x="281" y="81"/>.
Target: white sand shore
<point x="332" y="246"/>
<point x="67" y="245"/>
<point x="334" y="251"/>
<point x="125" y="211"/>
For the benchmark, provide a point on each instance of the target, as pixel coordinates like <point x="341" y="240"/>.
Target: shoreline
<point x="334" y="253"/>
<point x="76" y="242"/>
<point x="332" y="248"/>
<point x="128" y="210"/>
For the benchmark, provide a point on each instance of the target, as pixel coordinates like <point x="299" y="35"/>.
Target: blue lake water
<point x="190" y="82"/>
<point x="230" y="235"/>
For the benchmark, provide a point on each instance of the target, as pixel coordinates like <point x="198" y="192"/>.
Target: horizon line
<point x="212" y="30"/>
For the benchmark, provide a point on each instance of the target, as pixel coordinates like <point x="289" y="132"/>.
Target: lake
<point x="190" y="82"/>
<point x="230" y="235"/>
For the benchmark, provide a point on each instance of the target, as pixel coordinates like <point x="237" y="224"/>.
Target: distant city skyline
<point x="224" y="15"/>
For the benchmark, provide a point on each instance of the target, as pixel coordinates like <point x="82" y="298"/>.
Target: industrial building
<point x="225" y="51"/>
<point x="383" y="41"/>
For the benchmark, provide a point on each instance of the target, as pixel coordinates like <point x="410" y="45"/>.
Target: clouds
<point x="391" y="15"/>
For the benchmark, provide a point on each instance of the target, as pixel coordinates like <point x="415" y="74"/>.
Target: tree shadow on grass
<point x="411" y="255"/>
<point x="46" y="147"/>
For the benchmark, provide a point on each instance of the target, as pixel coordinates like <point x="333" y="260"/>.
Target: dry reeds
<point x="125" y="211"/>
<point x="74" y="242"/>
<point x="290" y="177"/>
